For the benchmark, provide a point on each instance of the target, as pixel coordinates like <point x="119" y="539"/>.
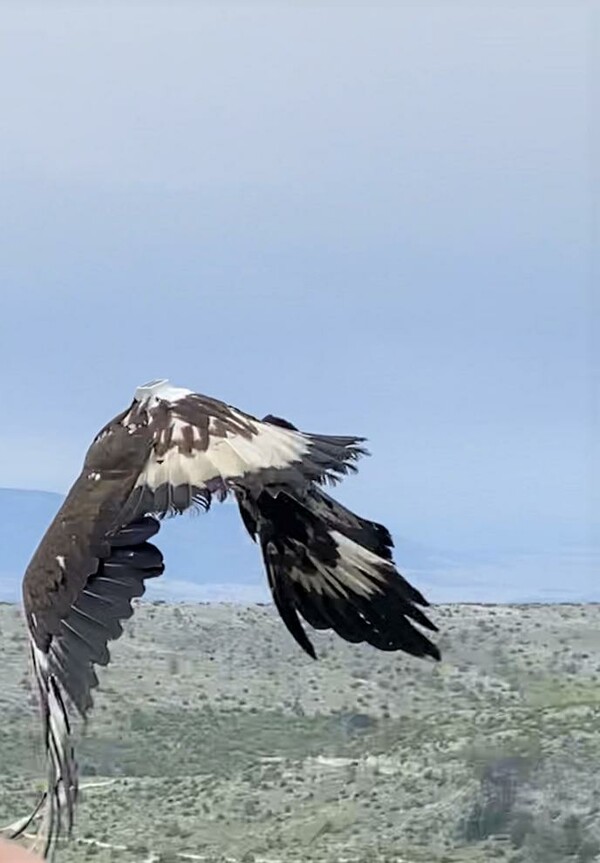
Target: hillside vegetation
<point x="214" y="738"/>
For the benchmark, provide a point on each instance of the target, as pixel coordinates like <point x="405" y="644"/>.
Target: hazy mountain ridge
<point x="208" y="556"/>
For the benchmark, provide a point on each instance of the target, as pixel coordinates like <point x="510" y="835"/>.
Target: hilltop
<point x="215" y="738"/>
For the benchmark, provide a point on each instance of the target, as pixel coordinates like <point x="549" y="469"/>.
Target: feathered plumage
<point x="169" y="451"/>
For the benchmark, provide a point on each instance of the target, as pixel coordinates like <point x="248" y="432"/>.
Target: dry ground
<point x="214" y="738"/>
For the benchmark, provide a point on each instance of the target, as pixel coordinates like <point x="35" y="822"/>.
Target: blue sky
<point x="375" y="221"/>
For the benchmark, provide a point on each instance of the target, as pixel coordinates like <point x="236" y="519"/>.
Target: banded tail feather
<point x="65" y="670"/>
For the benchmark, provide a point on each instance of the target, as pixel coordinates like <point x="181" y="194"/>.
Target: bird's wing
<point x="317" y="570"/>
<point x="201" y="446"/>
<point x="78" y="537"/>
<point x="335" y="569"/>
<point x="76" y="589"/>
<point x="373" y="536"/>
<point x="64" y="661"/>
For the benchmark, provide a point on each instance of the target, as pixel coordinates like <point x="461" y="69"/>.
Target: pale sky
<point x="369" y="220"/>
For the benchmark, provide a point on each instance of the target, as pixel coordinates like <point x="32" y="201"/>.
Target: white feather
<point x="61" y="790"/>
<point x="354" y="571"/>
<point x="226" y="457"/>
<point x="358" y="567"/>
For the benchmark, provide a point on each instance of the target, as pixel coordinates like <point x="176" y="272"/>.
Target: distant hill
<point x="209" y="557"/>
<point x="24" y="516"/>
<point x="201" y="552"/>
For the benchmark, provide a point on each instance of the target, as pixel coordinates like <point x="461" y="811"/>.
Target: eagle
<point x="173" y="450"/>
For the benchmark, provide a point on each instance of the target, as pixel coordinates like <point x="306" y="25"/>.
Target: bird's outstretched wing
<point x="203" y="447"/>
<point x="171" y="450"/>
<point x="335" y="569"/>
<point x="64" y="661"/>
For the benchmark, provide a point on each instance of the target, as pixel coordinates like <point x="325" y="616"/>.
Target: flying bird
<point x="173" y="450"/>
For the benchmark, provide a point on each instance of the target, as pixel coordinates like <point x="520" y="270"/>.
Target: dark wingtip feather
<point x="292" y="622"/>
<point x="285" y="605"/>
<point x="343" y="449"/>
<point x="435" y="652"/>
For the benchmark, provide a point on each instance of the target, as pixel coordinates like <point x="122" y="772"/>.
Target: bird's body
<point x="170" y="451"/>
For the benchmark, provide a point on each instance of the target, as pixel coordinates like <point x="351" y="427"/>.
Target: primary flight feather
<point x="169" y="451"/>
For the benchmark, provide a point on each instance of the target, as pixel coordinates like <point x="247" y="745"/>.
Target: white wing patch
<point x="226" y="457"/>
<point x="203" y="447"/>
<point x="357" y="571"/>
